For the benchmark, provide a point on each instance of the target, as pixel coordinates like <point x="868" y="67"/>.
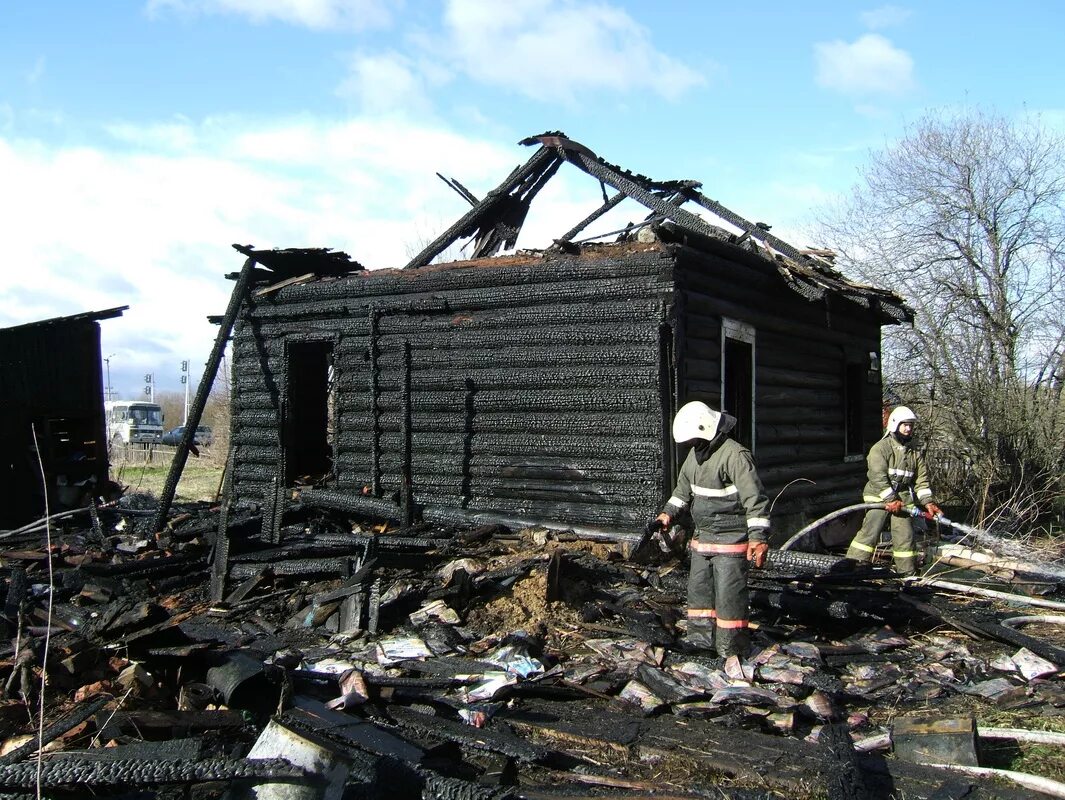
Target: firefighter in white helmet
<point x="897" y="478"/>
<point x="729" y="506"/>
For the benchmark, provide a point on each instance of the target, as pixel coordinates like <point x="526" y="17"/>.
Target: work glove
<point x="756" y="553"/>
<point x="894" y="507"/>
<point x="933" y="509"/>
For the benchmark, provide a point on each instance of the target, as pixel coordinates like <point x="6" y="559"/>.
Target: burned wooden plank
<point x="843" y="776"/>
<point x="248" y="586"/>
<point x="55" y="730"/>
<point x="162" y="724"/>
<point x="69" y="773"/>
<point x="926" y="740"/>
<point x="775" y="761"/>
<point x="310" y="714"/>
<point x="496" y="741"/>
<point x="192" y="421"/>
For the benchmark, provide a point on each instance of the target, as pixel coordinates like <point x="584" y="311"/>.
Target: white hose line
<point x="1021" y="735"/>
<point x="1050" y="619"/>
<point x="1045" y="785"/>
<point x="977" y="591"/>
<point x="790" y="543"/>
<point x="960" y="555"/>
<point x="882" y="741"/>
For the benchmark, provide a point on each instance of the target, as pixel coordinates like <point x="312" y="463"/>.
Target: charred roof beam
<point x="640" y="191"/>
<point x="504" y="205"/>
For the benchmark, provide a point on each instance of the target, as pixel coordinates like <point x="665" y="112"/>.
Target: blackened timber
<point x="375" y="412"/>
<point x="619" y="423"/>
<point x="764" y="319"/>
<point x="598" y="169"/>
<point x="342" y="501"/>
<point x="507" y="287"/>
<point x="584" y="223"/>
<point x="542" y="160"/>
<point x="296" y="318"/>
<point x="492" y="739"/>
<point x="55" y="730"/>
<point x="406" y="479"/>
<point x="843" y="776"/>
<point x="510" y="215"/>
<point x="485" y="356"/>
<point x="166" y="497"/>
<point x="293" y="568"/>
<point x="587" y="332"/>
<point x="621" y="398"/>
<point x="428" y="378"/>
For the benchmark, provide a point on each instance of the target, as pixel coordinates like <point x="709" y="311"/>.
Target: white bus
<point x="133" y="422"/>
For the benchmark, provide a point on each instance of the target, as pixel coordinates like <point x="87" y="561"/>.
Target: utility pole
<point x="149" y="386"/>
<point x="107" y="394"/>
<point x="185" y="380"/>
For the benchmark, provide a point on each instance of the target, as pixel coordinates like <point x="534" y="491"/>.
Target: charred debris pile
<point x="351" y="658"/>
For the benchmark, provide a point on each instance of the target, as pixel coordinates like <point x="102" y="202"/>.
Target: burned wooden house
<point x="51" y="406"/>
<point x="540" y="386"/>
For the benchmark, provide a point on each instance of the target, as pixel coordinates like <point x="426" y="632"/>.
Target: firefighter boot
<point x="733" y="642"/>
<point x="700" y="635"/>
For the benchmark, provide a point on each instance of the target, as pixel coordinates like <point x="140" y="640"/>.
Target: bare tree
<point x="965" y="218"/>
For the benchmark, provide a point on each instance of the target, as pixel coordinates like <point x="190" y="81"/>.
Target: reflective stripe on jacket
<point x="896" y="472"/>
<point x="724" y="491"/>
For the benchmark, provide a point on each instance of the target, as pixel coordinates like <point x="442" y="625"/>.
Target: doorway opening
<point x="310" y="410"/>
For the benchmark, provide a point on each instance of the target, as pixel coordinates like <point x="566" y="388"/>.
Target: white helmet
<point x="899" y="415"/>
<point x="695" y="420"/>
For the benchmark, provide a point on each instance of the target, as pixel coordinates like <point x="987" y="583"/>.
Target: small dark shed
<point x="51" y="386"/>
<point x="540" y="386"/>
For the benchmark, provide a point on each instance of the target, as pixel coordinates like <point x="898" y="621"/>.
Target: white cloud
<point x="386" y="83"/>
<point x="885" y="17"/>
<point x="557" y="49"/>
<point x="871" y="65"/>
<point x="151" y="226"/>
<point x="315" y="14"/>
<point x="548" y="50"/>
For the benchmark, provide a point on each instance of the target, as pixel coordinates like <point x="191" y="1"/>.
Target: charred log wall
<point x="534" y="383"/>
<point x="811" y="359"/>
<point x="49" y="378"/>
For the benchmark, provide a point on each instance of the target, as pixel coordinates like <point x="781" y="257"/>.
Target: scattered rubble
<point x="348" y="659"/>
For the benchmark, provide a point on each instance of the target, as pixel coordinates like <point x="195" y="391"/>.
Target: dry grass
<point x="1036" y="759"/>
<point x="200" y="478"/>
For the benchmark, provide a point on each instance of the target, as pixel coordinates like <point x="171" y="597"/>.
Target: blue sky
<point x="139" y="139"/>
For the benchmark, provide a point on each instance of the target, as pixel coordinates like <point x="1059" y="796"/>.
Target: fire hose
<point x="979" y="535"/>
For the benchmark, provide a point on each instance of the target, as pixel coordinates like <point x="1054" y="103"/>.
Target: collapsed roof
<point x="494" y="222"/>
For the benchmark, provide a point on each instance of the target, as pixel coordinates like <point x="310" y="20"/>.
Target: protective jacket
<point x="896" y="472"/>
<point x="718" y="479"/>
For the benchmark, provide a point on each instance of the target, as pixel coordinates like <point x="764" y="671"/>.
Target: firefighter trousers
<point x="902" y="545"/>
<point x="717" y="594"/>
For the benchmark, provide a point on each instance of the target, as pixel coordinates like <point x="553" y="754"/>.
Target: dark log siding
<point x="801" y="353"/>
<point x="49" y="379"/>
<point x="543" y="387"/>
<point x="534" y="383"/>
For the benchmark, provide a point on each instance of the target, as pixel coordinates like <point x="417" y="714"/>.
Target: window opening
<point x="853" y="404"/>
<point x="737" y="378"/>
